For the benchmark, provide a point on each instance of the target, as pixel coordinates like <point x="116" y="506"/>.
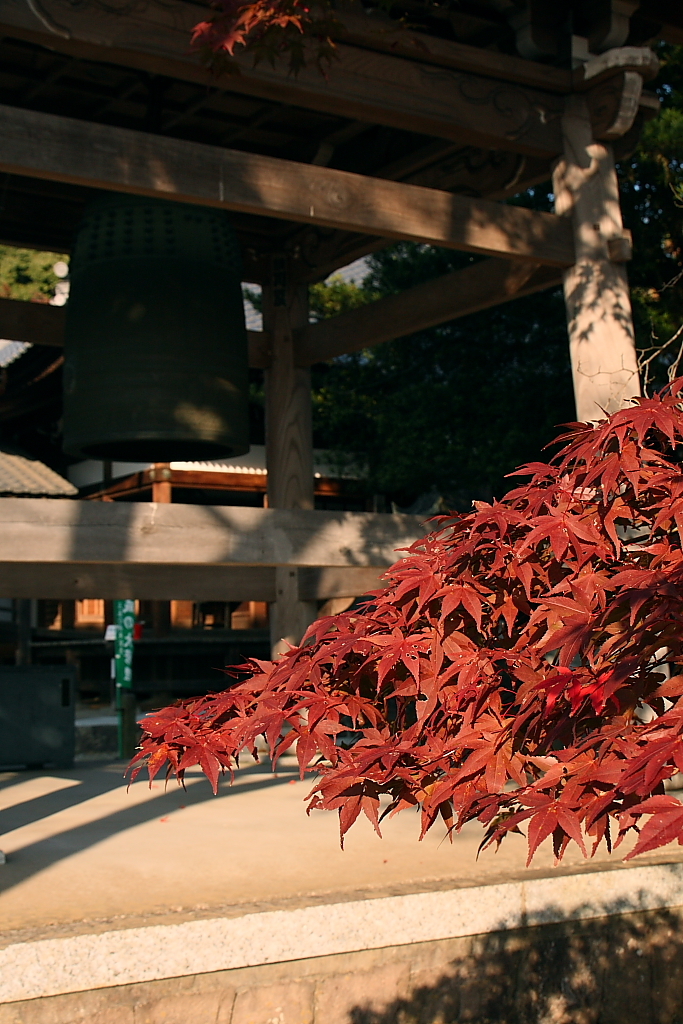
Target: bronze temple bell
<point x="156" y="363"/>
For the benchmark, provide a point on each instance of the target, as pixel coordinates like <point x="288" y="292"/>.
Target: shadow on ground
<point x="622" y="969"/>
<point x="37" y="856"/>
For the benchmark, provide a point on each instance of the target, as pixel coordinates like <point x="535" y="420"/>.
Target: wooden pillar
<point x="600" y="324"/>
<point x="289" y="439"/>
<point x="69" y="614"/>
<point x="160" y="474"/>
<point x="162" y="494"/>
<point x="23" y="651"/>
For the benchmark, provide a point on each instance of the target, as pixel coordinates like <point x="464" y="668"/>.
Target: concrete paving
<point x="85" y="853"/>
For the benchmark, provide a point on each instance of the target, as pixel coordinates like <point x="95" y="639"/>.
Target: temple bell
<point x="156" y="362"/>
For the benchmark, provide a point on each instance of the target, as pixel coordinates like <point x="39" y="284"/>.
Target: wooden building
<point x="415" y="133"/>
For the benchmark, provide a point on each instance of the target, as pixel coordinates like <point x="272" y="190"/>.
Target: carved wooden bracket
<point x="614" y="84"/>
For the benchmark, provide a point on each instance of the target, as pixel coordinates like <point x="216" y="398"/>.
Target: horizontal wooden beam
<point x="481" y="286"/>
<point x="76" y="580"/>
<point x="117" y="159"/>
<point x="34" y="322"/>
<point x="455" y="100"/>
<point x="42" y="324"/>
<point x="376" y="30"/>
<point x="51" y="530"/>
<point x="64" y="581"/>
<point x="324" y="583"/>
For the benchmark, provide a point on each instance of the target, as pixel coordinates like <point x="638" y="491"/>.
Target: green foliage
<point x="334" y="296"/>
<point x="455" y="407"/>
<point x="27" y="274"/>
<point x="650" y="180"/>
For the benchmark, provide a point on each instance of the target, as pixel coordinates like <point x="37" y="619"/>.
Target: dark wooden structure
<point x="416" y="133"/>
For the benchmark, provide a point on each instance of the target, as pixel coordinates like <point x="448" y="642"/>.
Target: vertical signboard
<point x="124" y="617"/>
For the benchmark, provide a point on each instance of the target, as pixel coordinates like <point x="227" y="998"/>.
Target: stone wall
<point x="620" y="969"/>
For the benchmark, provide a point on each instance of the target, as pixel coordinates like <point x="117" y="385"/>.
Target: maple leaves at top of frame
<point x="513" y="669"/>
<point x="301" y="30"/>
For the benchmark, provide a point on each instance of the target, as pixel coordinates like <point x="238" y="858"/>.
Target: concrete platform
<point x="107" y="887"/>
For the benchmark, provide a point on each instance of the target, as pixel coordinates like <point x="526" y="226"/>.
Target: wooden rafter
<point x="64" y="149"/>
<point x="481" y="286"/>
<point x="376" y="87"/>
<point x="377" y="31"/>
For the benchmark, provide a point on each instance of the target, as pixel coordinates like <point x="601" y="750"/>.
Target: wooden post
<point x="162" y="493"/>
<point x="23" y="620"/>
<point x="289" y="440"/>
<point x="601" y="336"/>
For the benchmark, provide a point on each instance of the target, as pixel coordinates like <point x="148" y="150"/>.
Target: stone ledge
<point x="48" y="967"/>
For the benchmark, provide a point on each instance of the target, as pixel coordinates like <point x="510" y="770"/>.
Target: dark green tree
<point x="650" y="182"/>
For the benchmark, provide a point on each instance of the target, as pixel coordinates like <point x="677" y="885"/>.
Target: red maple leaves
<point x="514" y="669"/>
<point x="300" y="30"/>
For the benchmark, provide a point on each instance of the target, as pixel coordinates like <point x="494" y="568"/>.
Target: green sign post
<point x="124" y="617"/>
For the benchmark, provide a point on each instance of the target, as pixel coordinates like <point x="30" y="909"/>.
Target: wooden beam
<point x="68" y="580"/>
<point x="289" y="440"/>
<point x="52" y="530"/>
<point x="325" y="583"/>
<point x="382" y="88"/>
<point x="34" y="322"/>
<point x="117" y="159"/>
<point x="169" y="27"/>
<point x="289" y="430"/>
<point x="481" y="286"/>
<point x="492" y="175"/>
<point x="377" y="31"/>
<point x="41" y="324"/>
<point x="154" y="582"/>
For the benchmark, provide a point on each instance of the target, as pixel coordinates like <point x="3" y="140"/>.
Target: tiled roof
<point x="23" y="476"/>
<point x="11" y="350"/>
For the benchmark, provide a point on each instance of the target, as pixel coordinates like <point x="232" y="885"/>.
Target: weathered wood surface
<point x="65" y="581"/>
<point x="50" y="530"/>
<point x="157" y="582"/>
<point x="41" y="324"/>
<point x="481" y="286"/>
<point x="600" y="324"/>
<point x="289" y="441"/>
<point x="375" y="30"/>
<point x="381" y="88"/>
<point x="35" y="322"/>
<point x="289" y="429"/>
<point x="327" y="582"/>
<point x="65" y="149"/>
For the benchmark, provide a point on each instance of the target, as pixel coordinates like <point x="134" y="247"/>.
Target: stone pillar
<point x="600" y="324"/>
<point x="289" y="440"/>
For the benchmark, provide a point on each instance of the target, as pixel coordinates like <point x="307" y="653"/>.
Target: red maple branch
<point x="519" y="667"/>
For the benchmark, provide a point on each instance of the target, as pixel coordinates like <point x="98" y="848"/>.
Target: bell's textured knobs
<point x="156" y="346"/>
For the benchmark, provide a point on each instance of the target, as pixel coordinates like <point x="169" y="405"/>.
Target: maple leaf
<point x="423" y="694"/>
<point x="664" y="825"/>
